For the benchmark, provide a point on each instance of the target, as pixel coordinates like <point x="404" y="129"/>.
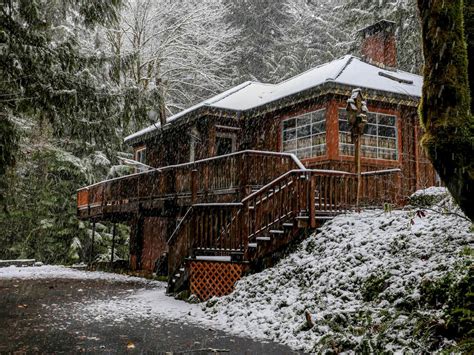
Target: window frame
<point x="140" y="151"/>
<point x="312" y="137"/>
<point x="378" y="148"/>
<point x="228" y="135"/>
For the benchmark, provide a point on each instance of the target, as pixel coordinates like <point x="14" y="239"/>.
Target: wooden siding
<point x="154" y="241"/>
<point x="264" y="133"/>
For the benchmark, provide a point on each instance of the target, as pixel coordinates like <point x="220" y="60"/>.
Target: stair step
<point x="212" y="258"/>
<point x="252" y="245"/>
<point x="177" y="275"/>
<point x="325" y="218"/>
<point x="263" y="239"/>
<point x="276" y="231"/>
<point x="302" y="217"/>
<point x="181" y="269"/>
<point x="289" y="225"/>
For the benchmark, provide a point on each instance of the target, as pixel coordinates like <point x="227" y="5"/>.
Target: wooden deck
<point x="227" y="178"/>
<point x="238" y="208"/>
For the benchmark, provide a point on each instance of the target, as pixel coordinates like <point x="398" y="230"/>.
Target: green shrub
<point x="374" y="285"/>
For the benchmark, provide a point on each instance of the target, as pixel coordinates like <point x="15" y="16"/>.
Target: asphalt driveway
<point x="34" y="318"/>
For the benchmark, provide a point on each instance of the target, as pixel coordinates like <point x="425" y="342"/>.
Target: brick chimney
<point x="379" y="45"/>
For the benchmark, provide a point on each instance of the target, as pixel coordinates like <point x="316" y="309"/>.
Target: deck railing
<point x="223" y="229"/>
<point x="197" y="180"/>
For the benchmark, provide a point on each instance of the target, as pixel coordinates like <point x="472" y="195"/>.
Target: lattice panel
<point x="213" y="278"/>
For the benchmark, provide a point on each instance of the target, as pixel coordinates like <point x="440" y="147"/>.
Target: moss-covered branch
<point x="445" y="109"/>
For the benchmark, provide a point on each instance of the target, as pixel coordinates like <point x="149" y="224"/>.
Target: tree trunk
<point x="469" y="32"/>
<point x="445" y="108"/>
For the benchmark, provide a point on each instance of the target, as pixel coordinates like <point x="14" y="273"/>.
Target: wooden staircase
<point x="265" y="221"/>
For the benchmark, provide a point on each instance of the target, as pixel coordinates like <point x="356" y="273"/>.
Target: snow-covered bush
<point x="428" y="197"/>
<point x="372" y="281"/>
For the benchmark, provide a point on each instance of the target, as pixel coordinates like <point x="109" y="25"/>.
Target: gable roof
<point x="348" y="70"/>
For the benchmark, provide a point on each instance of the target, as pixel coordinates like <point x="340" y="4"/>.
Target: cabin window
<point x="379" y="140"/>
<point x="226" y="143"/>
<point x="140" y="155"/>
<point x="305" y="135"/>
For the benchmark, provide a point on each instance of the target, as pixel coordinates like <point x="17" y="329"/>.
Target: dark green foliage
<point x="58" y="108"/>
<point x="8" y="148"/>
<point x="426" y="200"/>
<point x="41" y="223"/>
<point x="469" y="32"/>
<point x="373" y="286"/>
<point x="445" y="108"/>
<point x="259" y="35"/>
<point x="454" y="293"/>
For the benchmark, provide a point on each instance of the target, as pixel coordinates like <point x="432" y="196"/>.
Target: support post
<point x="113" y="247"/>
<point x="312" y="201"/>
<point x="357" y="109"/>
<point x="358" y="167"/>
<point x="91" y="256"/>
<point x="194" y="186"/>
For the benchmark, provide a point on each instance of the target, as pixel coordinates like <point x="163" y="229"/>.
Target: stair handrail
<point x="307" y="171"/>
<point x="175" y="259"/>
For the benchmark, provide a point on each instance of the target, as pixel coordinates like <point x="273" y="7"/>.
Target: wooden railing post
<point x="245" y="223"/>
<point x="312" y="198"/>
<point x="243" y="176"/>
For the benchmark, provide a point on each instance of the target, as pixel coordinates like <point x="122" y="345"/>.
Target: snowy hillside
<point x="367" y="279"/>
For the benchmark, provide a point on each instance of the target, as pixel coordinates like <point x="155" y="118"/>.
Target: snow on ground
<point x="359" y="278"/>
<point x="151" y="304"/>
<point x="62" y="272"/>
<point x="331" y="274"/>
<point x="142" y="303"/>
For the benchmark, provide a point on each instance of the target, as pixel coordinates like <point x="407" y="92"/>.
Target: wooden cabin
<point x="237" y="177"/>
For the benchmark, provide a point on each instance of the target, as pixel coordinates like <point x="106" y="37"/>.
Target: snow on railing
<point x="229" y="171"/>
<point x="219" y="157"/>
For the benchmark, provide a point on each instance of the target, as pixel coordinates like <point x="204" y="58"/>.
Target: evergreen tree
<point x="313" y="37"/>
<point x="55" y="105"/>
<point x="261" y="25"/>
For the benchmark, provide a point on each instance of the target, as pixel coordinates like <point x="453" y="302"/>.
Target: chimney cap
<point x="381" y="26"/>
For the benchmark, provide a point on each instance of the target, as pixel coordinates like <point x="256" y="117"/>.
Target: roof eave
<point x="329" y="87"/>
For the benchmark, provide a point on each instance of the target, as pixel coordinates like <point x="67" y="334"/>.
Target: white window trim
<point x="139" y="150"/>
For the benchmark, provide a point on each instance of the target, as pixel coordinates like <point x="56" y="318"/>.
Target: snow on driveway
<point x="62" y="272"/>
<point x="149" y="301"/>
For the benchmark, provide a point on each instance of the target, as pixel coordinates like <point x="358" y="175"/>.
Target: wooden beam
<point x="194" y="186"/>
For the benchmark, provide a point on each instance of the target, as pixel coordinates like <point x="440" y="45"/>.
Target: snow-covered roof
<point x="348" y="70"/>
